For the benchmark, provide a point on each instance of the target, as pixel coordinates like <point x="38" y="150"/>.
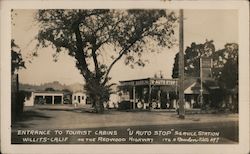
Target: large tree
<point x="226" y="66"/>
<point x="225" y="62"/>
<point x="192" y="57"/>
<point x="17" y="61"/>
<point x="88" y="34"/>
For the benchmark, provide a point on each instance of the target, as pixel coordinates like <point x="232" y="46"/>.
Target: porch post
<point x="53" y="99"/>
<point x="149" y="91"/>
<point x="44" y="100"/>
<point x="168" y="100"/>
<point x="134" y="97"/>
<point x="192" y="102"/>
<point x="62" y="99"/>
<point x="159" y="98"/>
<point x="32" y="98"/>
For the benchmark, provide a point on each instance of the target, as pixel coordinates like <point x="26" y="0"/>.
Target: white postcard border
<point x="242" y="147"/>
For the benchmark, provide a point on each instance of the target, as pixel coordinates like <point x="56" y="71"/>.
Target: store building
<point x="157" y="93"/>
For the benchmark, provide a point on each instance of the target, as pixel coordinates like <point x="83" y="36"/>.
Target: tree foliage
<point x="225" y="62"/>
<point x="16" y="58"/>
<point x="192" y="57"/>
<point x="86" y="33"/>
<point x="226" y="65"/>
<point x="50" y="89"/>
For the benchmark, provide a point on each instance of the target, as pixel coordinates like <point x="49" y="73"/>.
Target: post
<point x="32" y="98"/>
<point x="181" y="67"/>
<point x="149" y="91"/>
<point x="44" y="100"/>
<point x="201" y="90"/>
<point x="211" y="64"/>
<point x="159" y="99"/>
<point x="53" y="99"/>
<point x="62" y="99"/>
<point x="17" y="83"/>
<point x="134" y="97"/>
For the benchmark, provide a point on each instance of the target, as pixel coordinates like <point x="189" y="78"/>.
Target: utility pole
<point x="181" y="67"/>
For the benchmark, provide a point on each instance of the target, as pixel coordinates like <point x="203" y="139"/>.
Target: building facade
<point x="158" y="93"/>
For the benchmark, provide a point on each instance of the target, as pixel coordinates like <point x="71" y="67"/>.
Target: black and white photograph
<point x="147" y="76"/>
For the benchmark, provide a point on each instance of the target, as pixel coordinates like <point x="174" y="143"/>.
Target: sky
<point x="199" y="25"/>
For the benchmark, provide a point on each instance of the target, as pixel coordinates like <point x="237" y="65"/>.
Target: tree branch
<point x="96" y="46"/>
<point x="122" y="52"/>
<point x="94" y="56"/>
<point x="80" y="55"/>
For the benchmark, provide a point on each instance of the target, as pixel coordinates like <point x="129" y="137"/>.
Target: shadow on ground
<point x="56" y="109"/>
<point x="31" y="115"/>
<point x="78" y="110"/>
<point x="28" y="116"/>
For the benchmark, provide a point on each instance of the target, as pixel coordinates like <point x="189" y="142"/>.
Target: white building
<point x="79" y="97"/>
<point x="113" y="101"/>
<point x="44" y="97"/>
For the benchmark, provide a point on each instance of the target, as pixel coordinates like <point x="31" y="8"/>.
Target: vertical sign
<point x="205" y="73"/>
<point x="205" y="67"/>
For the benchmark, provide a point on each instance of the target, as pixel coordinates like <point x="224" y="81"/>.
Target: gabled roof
<point x="189" y="81"/>
<point x="193" y="86"/>
<point x="49" y="92"/>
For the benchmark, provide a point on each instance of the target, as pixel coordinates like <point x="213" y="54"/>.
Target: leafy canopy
<point x="192" y="57"/>
<point x="226" y="67"/>
<point x="225" y="62"/>
<point x="85" y="33"/>
<point x="91" y="35"/>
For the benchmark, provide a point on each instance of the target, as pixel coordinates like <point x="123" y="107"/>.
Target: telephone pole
<point x="181" y="67"/>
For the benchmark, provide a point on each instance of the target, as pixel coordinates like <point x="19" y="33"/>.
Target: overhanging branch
<point x="122" y="52"/>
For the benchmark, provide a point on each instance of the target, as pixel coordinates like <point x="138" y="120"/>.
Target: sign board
<point x="206" y="65"/>
<point x="168" y="82"/>
<point x="206" y="62"/>
<point x="135" y="82"/>
<point x="163" y="82"/>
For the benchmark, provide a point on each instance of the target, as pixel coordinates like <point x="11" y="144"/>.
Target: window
<point x="79" y="99"/>
<point x="82" y="97"/>
<point x="74" y="97"/>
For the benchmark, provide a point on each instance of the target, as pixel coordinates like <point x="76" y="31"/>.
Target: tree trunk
<point x="97" y="93"/>
<point x="99" y="108"/>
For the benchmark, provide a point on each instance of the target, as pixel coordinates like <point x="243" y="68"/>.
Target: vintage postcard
<point x="124" y="77"/>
